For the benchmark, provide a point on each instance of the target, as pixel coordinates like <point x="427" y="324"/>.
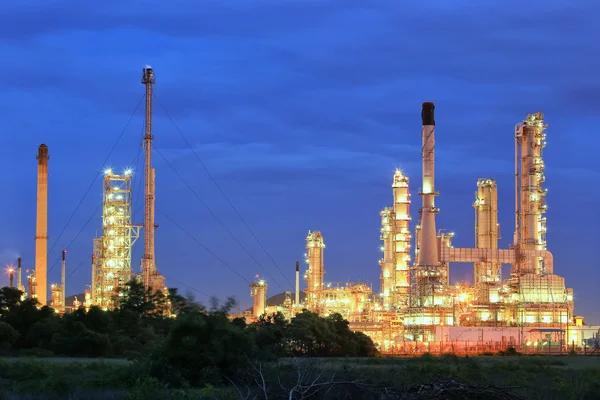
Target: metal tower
<point x="150" y="276"/>
<point x="315" y="246"/>
<point x="112" y="251"/>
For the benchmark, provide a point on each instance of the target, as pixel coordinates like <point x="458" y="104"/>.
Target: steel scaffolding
<point x="112" y="251"/>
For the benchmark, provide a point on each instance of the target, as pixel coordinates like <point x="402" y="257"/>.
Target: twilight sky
<point x="301" y="110"/>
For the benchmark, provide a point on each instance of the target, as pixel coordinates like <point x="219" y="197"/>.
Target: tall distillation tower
<point x="315" y="273"/>
<point x="396" y="236"/>
<point x="258" y="291"/>
<point x="487" y="232"/>
<point x="530" y="204"/>
<point x="41" y="231"/>
<point x="151" y="278"/>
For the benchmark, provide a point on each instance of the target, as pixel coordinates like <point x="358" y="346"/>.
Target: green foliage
<point x="510" y="351"/>
<point x="202" y="349"/>
<point x="147" y="389"/>
<point x="311" y="335"/>
<point x="8" y="335"/>
<point x="174" y="341"/>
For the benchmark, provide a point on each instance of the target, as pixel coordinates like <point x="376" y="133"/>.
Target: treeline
<point x="189" y="343"/>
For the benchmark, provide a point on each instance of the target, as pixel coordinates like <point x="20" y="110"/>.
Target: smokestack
<point x="428" y="252"/>
<point x="11" y="275"/>
<point x="41" y="232"/>
<point x="19" y="283"/>
<point x="63" y="278"/>
<point x="297" y="282"/>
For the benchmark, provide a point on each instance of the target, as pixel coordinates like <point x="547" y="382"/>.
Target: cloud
<point x="295" y="98"/>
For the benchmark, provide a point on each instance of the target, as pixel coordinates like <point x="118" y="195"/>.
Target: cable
<point x="203" y="246"/>
<point x="76" y="236"/>
<point x="171" y="279"/>
<point x="97" y="174"/>
<point x="79" y="266"/>
<point x="81" y="230"/>
<point x="137" y="164"/>
<point x="222" y="192"/>
<point x="217" y="218"/>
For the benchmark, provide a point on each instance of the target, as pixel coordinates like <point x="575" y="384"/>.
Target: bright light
<point x="108" y="171"/>
<point x="128" y="172"/>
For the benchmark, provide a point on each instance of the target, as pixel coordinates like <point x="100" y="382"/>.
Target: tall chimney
<point x="63" y="279"/>
<point x="297" y="282"/>
<point x="428" y="252"/>
<point x="19" y="283"/>
<point x="41" y="232"/>
<point x="11" y="276"/>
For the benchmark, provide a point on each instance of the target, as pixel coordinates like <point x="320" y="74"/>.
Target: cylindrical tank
<point x="258" y="290"/>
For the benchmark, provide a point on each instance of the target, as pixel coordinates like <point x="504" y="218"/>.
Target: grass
<point x="539" y="377"/>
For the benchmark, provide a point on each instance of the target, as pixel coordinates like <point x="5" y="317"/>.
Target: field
<point x="528" y="377"/>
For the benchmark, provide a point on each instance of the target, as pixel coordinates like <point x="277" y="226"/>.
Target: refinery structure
<point x="111" y="259"/>
<point x="112" y="250"/>
<point x="416" y="303"/>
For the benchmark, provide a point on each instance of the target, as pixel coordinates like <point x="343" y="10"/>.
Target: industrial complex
<point x="111" y="257"/>
<point x="417" y="308"/>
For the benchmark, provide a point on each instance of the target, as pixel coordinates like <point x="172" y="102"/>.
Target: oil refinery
<point x="111" y="252"/>
<point x="417" y="307"/>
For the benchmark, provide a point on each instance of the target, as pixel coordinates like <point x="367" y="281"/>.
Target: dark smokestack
<point x="297" y="265"/>
<point x="427" y="113"/>
<point x="64" y="252"/>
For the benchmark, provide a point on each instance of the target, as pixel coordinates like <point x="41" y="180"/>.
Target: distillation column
<point x="258" y="291"/>
<point x="151" y="278"/>
<point x="487" y="233"/>
<point x="402" y="237"/>
<point x="41" y="235"/>
<point x="315" y="273"/>
<point x="388" y="275"/>
<point x="530" y="233"/>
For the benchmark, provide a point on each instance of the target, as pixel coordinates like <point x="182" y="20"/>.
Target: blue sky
<point x="301" y="111"/>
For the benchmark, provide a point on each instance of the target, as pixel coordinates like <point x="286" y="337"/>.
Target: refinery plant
<point x="111" y="254"/>
<point x="416" y="304"/>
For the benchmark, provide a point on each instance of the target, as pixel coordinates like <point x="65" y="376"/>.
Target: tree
<point x="8" y="335"/>
<point x="201" y="349"/>
<point x="270" y="335"/>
